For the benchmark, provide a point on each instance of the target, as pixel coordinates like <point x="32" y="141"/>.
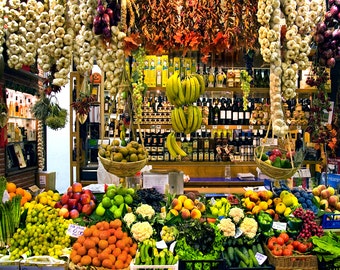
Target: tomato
<point x="290" y="246"/>
<point x="277" y="251"/>
<point x="285" y="236"/>
<point x="296" y="244"/>
<point x="302" y="247"/>
<point x="287" y="252"/>
<point x="280" y="240"/>
<point x="271" y="242"/>
<point x="309" y="245"/>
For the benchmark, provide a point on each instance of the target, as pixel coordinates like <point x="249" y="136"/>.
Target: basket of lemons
<point x="123" y="161"/>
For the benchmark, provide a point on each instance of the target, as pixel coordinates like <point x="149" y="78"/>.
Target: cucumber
<point x="259" y="248"/>
<point x="228" y="261"/>
<point x="242" y="265"/>
<point x="245" y="251"/>
<point x="230" y="253"/>
<point x="254" y="248"/>
<point x="252" y="257"/>
<point x="241" y="256"/>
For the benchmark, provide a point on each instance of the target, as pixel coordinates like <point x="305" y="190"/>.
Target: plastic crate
<point x="329" y="265"/>
<point x="202" y="264"/>
<point x="330" y="221"/>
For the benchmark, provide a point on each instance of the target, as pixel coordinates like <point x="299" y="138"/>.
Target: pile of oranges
<point x="13" y="190"/>
<point x="104" y="244"/>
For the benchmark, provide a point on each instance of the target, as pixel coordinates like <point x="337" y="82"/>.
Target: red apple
<point x="76" y="195"/>
<point x="77" y="187"/>
<point x="92" y="204"/>
<point x="85" y="198"/>
<point x="79" y="206"/>
<point x="87" y="209"/>
<point x="58" y="205"/>
<point x="69" y="189"/>
<point x="64" y="198"/>
<point x="74" y="213"/>
<point x="325" y="194"/>
<point x="72" y="203"/>
<point x="333" y="200"/>
<point x="87" y="191"/>
<point x="63" y="212"/>
<point x="276" y="152"/>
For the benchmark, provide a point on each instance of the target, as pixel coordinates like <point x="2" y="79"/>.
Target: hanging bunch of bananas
<point x="184" y="92"/>
<point x="174" y="149"/>
<point x="187" y="119"/>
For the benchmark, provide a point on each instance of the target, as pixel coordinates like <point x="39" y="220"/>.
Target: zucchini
<point x="252" y="258"/>
<point x="241" y="256"/>
<point x="242" y="265"/>
<point x="230" y="252"/>
<point x="254" y="248"/>
<point x="259" y="248"/>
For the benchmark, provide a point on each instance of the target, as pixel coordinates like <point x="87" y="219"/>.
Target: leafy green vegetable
<point x="327" y="247"/>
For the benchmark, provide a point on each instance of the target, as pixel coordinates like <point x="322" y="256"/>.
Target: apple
<point x="72" y="203"/>
<point x="76" y="195"/>
<point x="331" y="190"/>
<point x="85" y="198"/>
<point x="87" y="209"/>
<point x="325" y="194"/>
<point x="64" y="198"/>
<point x="276" y="152"/>
<point x="63" y="212"/>
<point x="77" y="187"/>
<point x="87" y="191"/>
<point x="92" y="203"/>
<point x="69" y="189"/>
<point x="333" y="200"/>
<point x="321" y="187"/>
<point x="316" y="191"/>
<point x="58" y="205"/>
<point x="79" y="206"/>
<point x="74" y="213"/>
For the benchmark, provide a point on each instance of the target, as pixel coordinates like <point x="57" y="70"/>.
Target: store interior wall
<point x="58" y="146"/>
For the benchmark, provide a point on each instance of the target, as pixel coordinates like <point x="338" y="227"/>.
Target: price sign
<point x="251" y="127"/>
<point x="262" y="127"/>
<point x="239" y="127"/>
<point x="238" y="233"/>
<point x="226" y="127"/>
<point x="214" y="126"/>
<point x="75" y="230"/>
<point x="281" y="226"/>
<point x="260" y="258"/>
<point x="161" y="244"/>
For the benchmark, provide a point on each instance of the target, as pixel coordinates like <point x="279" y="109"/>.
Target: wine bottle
<point x="235" y="112"/>
<point x="216" y="111"/>
<point x="240" y="112"/>
<point x="222" y="120"/>
<point x="229" y="112"/>
<point x="211" y="112"/>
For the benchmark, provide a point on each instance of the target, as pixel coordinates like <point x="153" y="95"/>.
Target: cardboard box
<point x="46" y="180"/>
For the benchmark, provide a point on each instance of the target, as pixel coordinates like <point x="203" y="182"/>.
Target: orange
<point x="12" y="194"/>
<point x="20" y="191"/>
<point x="102" y="256"/>
<point x="112" y="239"/>
<point x="107" y="263"/>
<point x="92" y="252"/>
<point x="23" y="201"/>
<point x="116" y="223"/>
<point x="76" y="245"/>
<point x="85" y="260"/>
<point x="96" y="262"/>
<point x="76" y="259"/>
<point x="104" y="235"/>
<point x="95" y="239"/>
<point x="95" y="232"/>
<point x="116" y="252"/>
<point x="102" y="244"/>
<point x="120" y="244"/>
<point x="81" y="251"/>
<point x="87" y="232"/>
<point x="119" y="264"/>
<point x="122" y="256"/>
<point x="88" y="243"/>
<point x="11" y="187"/>
<point x="105" y="225"/>
<point x="81" y="239"/>
<point x="28" y="195"/>
<point x="119" y="234"/>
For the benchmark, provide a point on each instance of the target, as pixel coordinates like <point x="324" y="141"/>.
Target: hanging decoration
<point x="2" y="26"/>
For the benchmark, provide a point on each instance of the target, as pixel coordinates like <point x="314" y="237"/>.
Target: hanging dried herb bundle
<point x="57" y="117"/>
<point x="40" y="109"/>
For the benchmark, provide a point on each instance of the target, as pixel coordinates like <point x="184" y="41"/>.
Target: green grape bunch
<point x="45" y="233"/>
<point x="169" y="233"/>
<point x="245" y="86"/>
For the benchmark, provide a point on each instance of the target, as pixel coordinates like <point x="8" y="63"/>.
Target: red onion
<point x="328" y="34"/>
<point x="97" y="21"/>
<point x="321" y="27"/>
<point x="337" y="2"/>
<point x="328" y="16"/>
<point x="336" y="34"/>
<point x="331" y="62"/>
<point x="334" y="44"/>
<point x="328" y="53"/>
<point x="100" y="9"/>
<point x="319" y="38"/>
<point x="106" y="32"/>
<point x="97" y="30"/>
<point x="330" y="2"/>
<point x="106" y="19"/>
<point x="109" y="12"/>
<point x="334" y="10"/>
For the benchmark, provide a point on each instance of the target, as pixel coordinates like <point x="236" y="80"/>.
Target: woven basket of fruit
<point x="278" y="163"/>
<point x="123" y="161"/>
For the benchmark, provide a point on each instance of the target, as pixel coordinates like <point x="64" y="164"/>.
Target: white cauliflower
<point x="237" y="214"/>
<point x="129" y="218"/>
<point x="227" y="227"/>
<point x="141" y="231"/>
<point x="249" y="227"/>
<point x="146" y="211"/>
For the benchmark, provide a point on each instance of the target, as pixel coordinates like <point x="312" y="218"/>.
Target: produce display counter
<point x="219" y="185"/>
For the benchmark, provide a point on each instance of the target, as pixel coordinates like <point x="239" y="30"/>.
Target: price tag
<point x="161" y="244"/>
<point x="251" y="127"/>
<point x="158" y="126"/>
<point x="281" y="226"/>
<point x="262" y="127"/>
<point x="238" y="127"/>
<point x="75" y="230"/>
<point x="238" y="233"/>
<point x="260" y="258"/>
<point x="226" y="127"/>
<point x="172" y="246"/>
<point x="214" y="126"/>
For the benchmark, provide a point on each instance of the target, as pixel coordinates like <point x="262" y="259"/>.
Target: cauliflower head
<point x="146" y="211"/>
<point x="237" y="214"/>
<point x="227" y="227"/>
<point x="141" y="231"/>
<point x="249" y="227"/>
<point x="129" y="218"/>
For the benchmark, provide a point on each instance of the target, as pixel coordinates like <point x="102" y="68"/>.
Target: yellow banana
<point x="195" y="119"/>
<point x="188" y="90"/>
<point x="170" y="92"/>
<point x="181" y="97"/>
<point x="174" y="78"/>
<point x="177" y="120"/>
<point x="197" y="88"/>
<point x="176" y="147"/>
<point x="174" y="122"/>
<point x="182" y="117"/>
<point x="171" y="150"/>
<point x="201" y="82"/>
<point x="199" y="116"/>
<point x="190" y="119"/>
<point x="193" y="90"/>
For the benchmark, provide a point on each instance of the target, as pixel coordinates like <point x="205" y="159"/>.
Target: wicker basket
<point x="123" y="169"/>
<point x="271" y="171"/>
<point x="295" y="262"/>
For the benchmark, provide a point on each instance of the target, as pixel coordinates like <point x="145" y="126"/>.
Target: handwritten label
<point x="238" y="127"/>
<point x="260" y="258"/>
<point x="262" y="127"/>
<point x="214" y="127"/>
<point x="238" y="233"/>
<point x="161" y="244"/>
<point x="226" y="127"/>
<point x="281" y="226"/>
<point x="75" y="230"/>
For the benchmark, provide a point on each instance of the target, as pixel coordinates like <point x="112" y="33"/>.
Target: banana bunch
<point x="148" y="254"/>
<point x="173" y="147"/>
<point x="187" y="119"/>
<point x="184" y="92"/>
